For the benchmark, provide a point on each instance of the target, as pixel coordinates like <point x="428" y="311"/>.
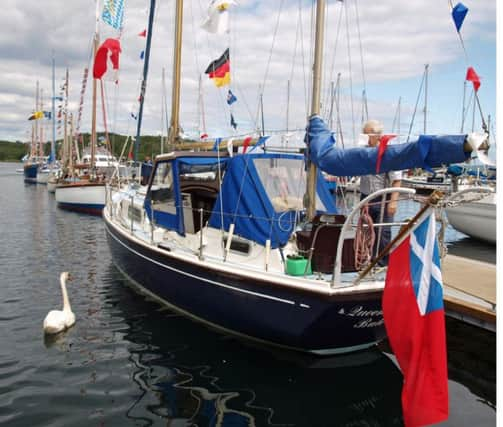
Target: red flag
<point x="246" y="143"/>
<point x="472" y="76"/>
<point x="414" y="317"/>
<point x="143" y="33"/>
<point x="110" y="47"/>
<point x="203" y="135"/>
<point x="383" y="143"/>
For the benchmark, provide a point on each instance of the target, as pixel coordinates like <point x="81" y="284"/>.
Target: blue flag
<point x="458" y="15"/>
<point x="231" y="99"/>
<point x="142" y="54"/>
<point x="261" y="141"/>
<point x="233" y="122"/>
<point x="216" y="145"/>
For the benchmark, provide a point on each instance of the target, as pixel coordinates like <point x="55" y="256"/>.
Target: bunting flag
<point x="414" y="317"/>
<point x="230" y="146"/>
<point x="216" y="145"/>
<point x="47" y="115"/>
<point x="261" y="141"/>
<point x="217" y="21"/>
<point x="219" y="70"/>
<point x="113" y="13"/>
<point x="36" y="115"/>
<point x="203" y="135"/>
<point x="231" y="99"/>
<point x="233" y="122"/>
<point x="143" y="33"/>
<point x="472" y="76"/>
<point x="458" y="15"/>
<point x="383" y="143"/>
<point x="142" y="54"/>
<point x="246" y="143"/>
<point x="134" y="116"/>
<point x="81" y="104"/>
<point x="110" y="48"/>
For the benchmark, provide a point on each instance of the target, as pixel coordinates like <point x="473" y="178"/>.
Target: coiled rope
<point x="364" y="239"/>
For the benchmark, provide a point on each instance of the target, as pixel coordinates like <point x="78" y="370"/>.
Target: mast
<point x="310" y="197"/>
<point x="93" y="119"/>
<point x="425" y="95"/>
<point x="53" y="112"/>
<point x="174" y="129"/>
<point x="67" y="145"/>
<point x="144" y="81"/>
<point x="41" y="135"/>
<point x="35" y="137"/>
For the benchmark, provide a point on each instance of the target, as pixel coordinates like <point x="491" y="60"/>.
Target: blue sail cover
<point x="244" y="202"/>
<point x="427" y="152"/>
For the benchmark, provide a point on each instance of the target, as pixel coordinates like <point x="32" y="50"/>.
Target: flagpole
<point x="433" y="200"/>
<point x="144" y="81"/>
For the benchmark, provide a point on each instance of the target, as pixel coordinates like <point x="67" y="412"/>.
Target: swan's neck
<point x="66" y="301"/>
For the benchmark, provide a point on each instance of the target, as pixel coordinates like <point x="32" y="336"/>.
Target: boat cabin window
<point x="161" y="191"/>
<point x="284" y="181"/>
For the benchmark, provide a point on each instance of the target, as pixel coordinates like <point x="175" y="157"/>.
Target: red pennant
<point x="246" y="143"/>
<point x="472" y="76"/>
<point x="143" y="33"/>
<point x="203" y="135"/>
<point x="109" y="46"/>
<point x="383" y="143"/>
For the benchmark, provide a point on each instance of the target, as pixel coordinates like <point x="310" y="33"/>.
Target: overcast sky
<point x="382" y="46"/>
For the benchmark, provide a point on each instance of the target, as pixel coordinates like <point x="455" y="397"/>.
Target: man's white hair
<point x="373" y="126"/>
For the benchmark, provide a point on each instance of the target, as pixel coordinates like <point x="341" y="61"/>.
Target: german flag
<point x="220" y="70"/>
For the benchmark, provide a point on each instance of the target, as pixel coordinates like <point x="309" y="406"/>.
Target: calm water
<point x="129" y="361"/>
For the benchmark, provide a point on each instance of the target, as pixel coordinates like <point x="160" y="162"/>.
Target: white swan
<point x="59" y="320"/>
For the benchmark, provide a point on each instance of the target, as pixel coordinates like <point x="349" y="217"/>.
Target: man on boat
<point x="371" y="183"/>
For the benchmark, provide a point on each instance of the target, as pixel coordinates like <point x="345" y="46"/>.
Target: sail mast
<point x="145" y="73"/>
<point x="315" y="102"/>
<point x="93" y="119"/>
<point x="174" y="128"/>
<point x="53" y="112"/>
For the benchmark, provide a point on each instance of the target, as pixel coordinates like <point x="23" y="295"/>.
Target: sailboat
<point x="229" y="242"/>
<point x="84" y="192"/>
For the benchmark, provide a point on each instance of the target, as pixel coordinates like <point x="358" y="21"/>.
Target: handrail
<point x="336" y="276"/>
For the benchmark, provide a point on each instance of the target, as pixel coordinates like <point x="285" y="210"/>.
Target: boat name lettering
<point x="369" y="323"/>
<point x="360" y="312"/>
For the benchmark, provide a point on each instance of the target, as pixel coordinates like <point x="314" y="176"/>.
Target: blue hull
<point x="82" y="208"/>
<point x="262" y="311"/>
<point x="30" y="173"/>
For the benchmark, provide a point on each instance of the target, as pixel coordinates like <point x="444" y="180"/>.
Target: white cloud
<point x="397" y="39"/>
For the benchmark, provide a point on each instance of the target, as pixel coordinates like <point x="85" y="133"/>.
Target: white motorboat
<point x="475" y="218"/>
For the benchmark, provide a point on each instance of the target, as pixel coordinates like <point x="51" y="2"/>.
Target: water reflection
<point x="190" y="375"/>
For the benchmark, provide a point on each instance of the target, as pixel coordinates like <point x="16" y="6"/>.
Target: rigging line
<point x="272" y="45"/>
<point x="361" y="51"/>
<point x="417" y="103"/>
<point x="350" y="70"/>
<point x="336" y="42"/>
<point x="303" y="60"/>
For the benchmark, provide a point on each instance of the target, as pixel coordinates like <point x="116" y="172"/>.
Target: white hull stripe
<point x="200" y="278"/>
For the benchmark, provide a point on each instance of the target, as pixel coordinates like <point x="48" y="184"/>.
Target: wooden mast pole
<point x="174" y="129"/>
<point x="93" y="117"/>
<point x="310" y="197"/>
